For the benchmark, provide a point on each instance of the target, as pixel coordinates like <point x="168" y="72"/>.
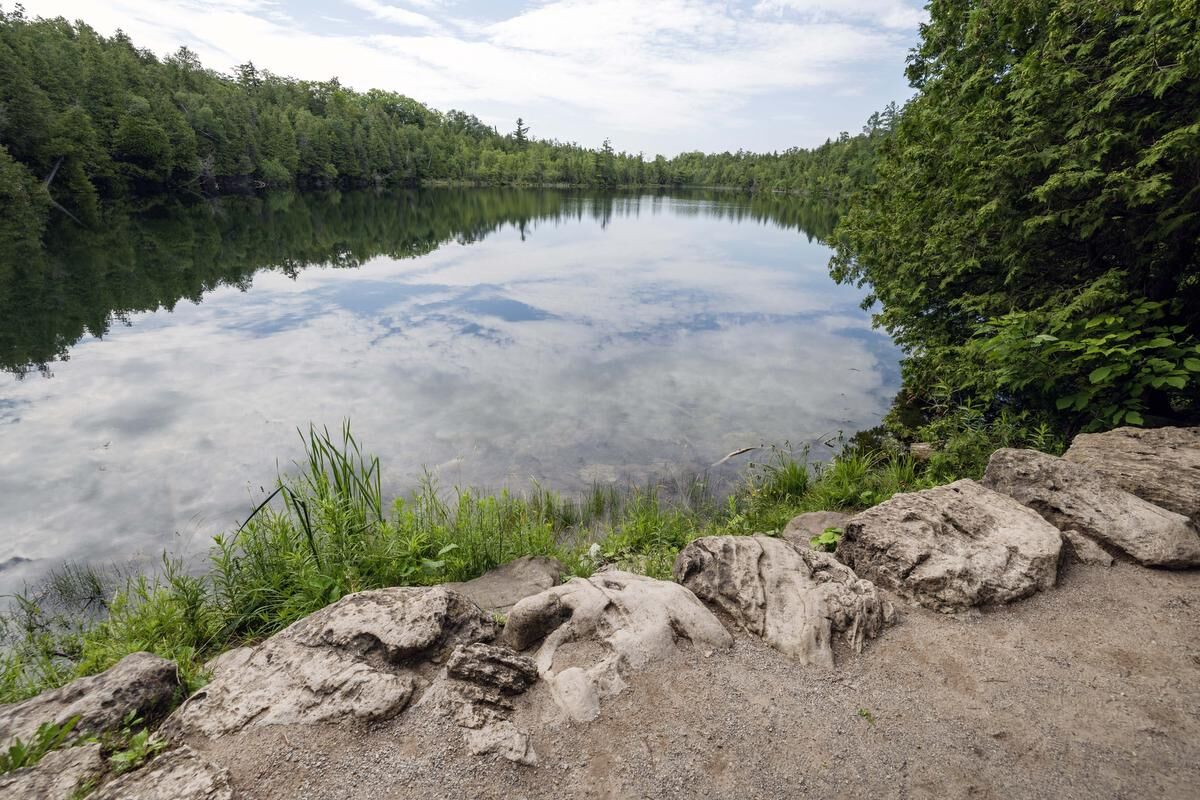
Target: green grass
<point x="49" y="736"/>
<point x="327" y="531"/>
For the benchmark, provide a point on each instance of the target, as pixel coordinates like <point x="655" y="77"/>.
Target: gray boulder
<point x="489" y="665"/>
<point x="179" y="774"/>
<point x="1074" y="496"/>
<point x="477" y="691"/>
<point x="140" y="683"/>
<point x="953" y="547"/>
<point x="1085" y="550"/>
<point x="58" y="776"/>
<point x="362" y="657"/>
<point x="587" y="634"/>
<point x="1159" y="465"/>
<point x="498" y="590"/>
<point x="793" y="597"/>
<point x="803" y="528"/>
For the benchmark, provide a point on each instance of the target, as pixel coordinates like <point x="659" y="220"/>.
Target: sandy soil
<point x="1091" y="690"/>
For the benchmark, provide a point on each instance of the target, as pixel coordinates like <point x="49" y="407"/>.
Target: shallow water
<point x="157" y="370"/>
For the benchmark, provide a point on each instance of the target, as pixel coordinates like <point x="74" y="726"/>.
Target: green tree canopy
<point x="1044" y="182"/>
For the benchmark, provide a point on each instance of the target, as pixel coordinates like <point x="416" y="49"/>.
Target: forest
<point x="87" y="117"/>
<point x="1033" y="233"/>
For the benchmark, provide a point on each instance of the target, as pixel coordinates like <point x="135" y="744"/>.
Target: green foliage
<point x="827" y="540"/>
<point x="49" y="736"/>
<point x="139" y="748"/>
<point x="1032" y="232"/>
<point x="169" y="615"/>
<point x="1103" y="367"/>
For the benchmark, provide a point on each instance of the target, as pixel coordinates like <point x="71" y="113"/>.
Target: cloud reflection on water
<point x="575" y="350"/>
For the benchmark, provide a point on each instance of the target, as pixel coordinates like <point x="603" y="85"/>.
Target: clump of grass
<point x="131" y="746"/>
<point x="49" y="736"/>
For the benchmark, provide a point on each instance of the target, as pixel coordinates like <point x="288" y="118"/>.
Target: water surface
<point x="156" y="370"/>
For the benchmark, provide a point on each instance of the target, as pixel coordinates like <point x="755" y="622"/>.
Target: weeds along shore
<point x="326" y="531"/>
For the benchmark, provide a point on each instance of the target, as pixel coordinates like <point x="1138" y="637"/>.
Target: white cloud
<point x="400" y="16"/>
<point x="679" y="73"/>
<point x="889" y="13"/>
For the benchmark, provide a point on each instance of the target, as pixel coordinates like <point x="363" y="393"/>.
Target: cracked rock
<point x="1074" y="496"/>
<point x="953" y="547"/>
<point x="588" y="633"/>
<point x="363" y="657"/>
<point x="793" y="597"/>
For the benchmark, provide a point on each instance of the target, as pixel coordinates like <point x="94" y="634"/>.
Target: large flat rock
<point x="953" y="547"/>
<point x="793" y="597"/>
<point x="1074" y="496"/>
<point x="60" y="775"/>
<point x="587" y="634"/>
<point x="140" y="683"/>
<point x="803" y="528"/>
<point x="500" y="589"/>
<point x="1159" y="465"/>
<point x="180" y="774"/>
<point x="363" y="657"/>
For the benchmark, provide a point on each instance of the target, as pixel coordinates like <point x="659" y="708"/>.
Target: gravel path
<point x="1090" y="690"/>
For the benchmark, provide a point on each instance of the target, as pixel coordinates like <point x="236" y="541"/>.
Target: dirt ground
<point x="1091" y="690"/>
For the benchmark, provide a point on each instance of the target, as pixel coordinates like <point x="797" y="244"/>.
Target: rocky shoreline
<point x="512" y="667"/>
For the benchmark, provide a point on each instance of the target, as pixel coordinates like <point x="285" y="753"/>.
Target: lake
<point x="156" y="369"/>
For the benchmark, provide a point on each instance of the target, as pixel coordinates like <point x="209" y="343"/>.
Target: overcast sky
<point x="652" y="75"/>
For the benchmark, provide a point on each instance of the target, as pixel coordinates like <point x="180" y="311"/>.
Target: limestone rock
<point x="498" y="590"/>
<point x="953" y="547"/>
<point x="141" y="683"/>
<point x="477" y="690"/>
<point x="489" y="665"/>
<point x="1159" y="465"/>
<point x="180" y="774"/>
<point x="362" y="657"/>
<point x="793" y="597"/>
<point x="1074" y="496"/>
<point x="57" y="776"/>
<point x="803" y="528"/>
<point x="590" y="632"/>
<point x="1086" y="551"/>
<point x="505" y="740"/>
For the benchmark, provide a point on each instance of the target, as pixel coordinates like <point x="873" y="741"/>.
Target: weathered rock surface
<point x="1085" y="550"/>
<point x="57" y="776"/>
<point x="1159" y="465"/>
<point x="803" y="528"/>
<point x="953" y="547"/>
<point x="477" y="692"/>
<point x="1074" y="496"/>
<point x="141" y="683"/>
<point x="588" y="633"/>
<point x="362" y="657"/>
<point x="503" y="587"/>
<point x="180" y="774"/>
<point x="489" y="665"/>
<point x="792" y="596"/>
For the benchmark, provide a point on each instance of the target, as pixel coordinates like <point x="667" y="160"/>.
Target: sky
<point x="656" y="76"/>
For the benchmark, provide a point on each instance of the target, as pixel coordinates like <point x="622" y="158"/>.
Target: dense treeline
<point x="87" y="117"/>
<point x="1033" y="233"/>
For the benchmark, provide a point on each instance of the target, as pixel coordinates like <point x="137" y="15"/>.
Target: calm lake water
<point x="155" y="372"/>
